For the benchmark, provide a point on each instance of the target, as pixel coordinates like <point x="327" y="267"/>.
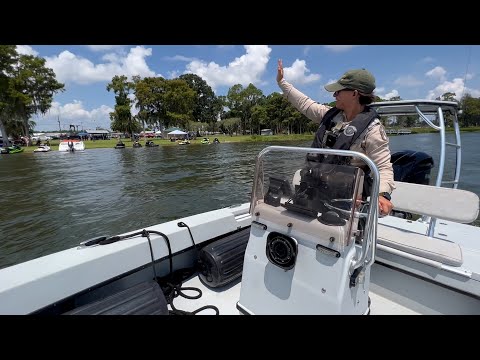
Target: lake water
<point x="53" y="201"/>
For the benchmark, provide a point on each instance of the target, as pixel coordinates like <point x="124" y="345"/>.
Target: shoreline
<point x="106" y="144"/>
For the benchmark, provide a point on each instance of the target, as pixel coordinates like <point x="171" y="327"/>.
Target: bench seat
<point x="455" y="205"/>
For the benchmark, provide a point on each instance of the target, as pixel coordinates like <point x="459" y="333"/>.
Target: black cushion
<point x="143" y="299"/>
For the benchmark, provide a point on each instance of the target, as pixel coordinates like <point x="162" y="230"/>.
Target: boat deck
<point x="225" y="299"/>
<point x="392" y="292"/>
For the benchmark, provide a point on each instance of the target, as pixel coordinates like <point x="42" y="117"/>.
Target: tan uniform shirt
<point x="373" y="142"/>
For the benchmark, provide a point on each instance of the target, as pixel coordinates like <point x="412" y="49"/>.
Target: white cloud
<point x="26" y="50"/>
<point x="111" y="57"/>
<point x="75" y="114"/>
<point x="437" y="73"/>
<point x="297" y="73"/>
<point x="331" y="81"/>
<point x="307" y="49"/>
<point x="104" y="47"/>
<point x="391" y="94"/>
<point x="174" y="74"/>
<point x="135" y="64"/>
<point x="339" y="48"/>
<point x="243" y="70"/>
<point x="133" y="108"/>
<point x="381" y="92"/>
<point x="473" y="92"/>
<point x="408" y="80"/>
<point x="427" y="59"/>
<point x="455" y="86"/>
<point x="69" y="67"/>
<point x="179" y="58"/>
<point x="332" y="48"/>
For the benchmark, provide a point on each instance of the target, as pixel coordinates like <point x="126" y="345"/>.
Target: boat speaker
<point x="281" y="250"/>
<point x="221" y="261"/>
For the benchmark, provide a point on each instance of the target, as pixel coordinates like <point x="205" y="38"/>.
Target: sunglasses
<point x="339" y="91"/>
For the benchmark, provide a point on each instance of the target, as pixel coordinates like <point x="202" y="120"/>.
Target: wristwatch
<point x="386" y="195"/>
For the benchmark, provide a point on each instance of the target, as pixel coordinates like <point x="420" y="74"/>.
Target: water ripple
<point x="53" y="201"/>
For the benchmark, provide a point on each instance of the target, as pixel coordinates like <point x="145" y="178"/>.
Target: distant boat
<point x="11" y="150"/>
<point x="150" y="143"/>
<point x="42" y="148"/>
<point x="71" y="145"/>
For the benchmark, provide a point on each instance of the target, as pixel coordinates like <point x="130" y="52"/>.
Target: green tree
<point x="121" y="118"/>
<point x="259" y="118"/>
<point x="179" y="99"/>
<point x="284" y="118"/>
<point x="240" y="101"/>
<point x="206" y="105"/>
<point x="233" y="101"/>
<point x="470" y="107"/>
<point x="230" y="125"/>
<point x="27" y="87"/>
<point x="250" y="97"/>
<point x="150" y="96"/>
<point x="39" y="84"/>
<point x="395" y="98"/>
<point x="448" y="96"/>
<point x="8" y="58"/>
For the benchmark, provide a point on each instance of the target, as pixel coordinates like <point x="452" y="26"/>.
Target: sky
<point x="408" y="71"/>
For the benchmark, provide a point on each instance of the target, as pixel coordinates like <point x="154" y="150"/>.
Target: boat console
<point x="310" y="244"/>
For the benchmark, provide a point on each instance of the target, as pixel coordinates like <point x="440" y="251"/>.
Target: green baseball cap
<point x="359" y="79"/>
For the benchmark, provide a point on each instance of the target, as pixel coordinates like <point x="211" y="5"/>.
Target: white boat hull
<point x="81" y="268"/>
<point x="393" y="289"/>
<point x="42" y="148"/>
<point x="77" y="146"/>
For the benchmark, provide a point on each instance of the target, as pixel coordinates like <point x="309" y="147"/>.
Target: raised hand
<point x="279" y="70"/>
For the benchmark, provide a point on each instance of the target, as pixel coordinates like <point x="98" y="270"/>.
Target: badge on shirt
<point x="350" y="130"/>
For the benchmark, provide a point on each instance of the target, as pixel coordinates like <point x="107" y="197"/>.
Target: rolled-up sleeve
<point x="377" y="149"/>
<point x="308" y="107"/>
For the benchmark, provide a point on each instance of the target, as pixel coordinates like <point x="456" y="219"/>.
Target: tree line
<point x="189" y="102"/>
<point x="27" y="88"/>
